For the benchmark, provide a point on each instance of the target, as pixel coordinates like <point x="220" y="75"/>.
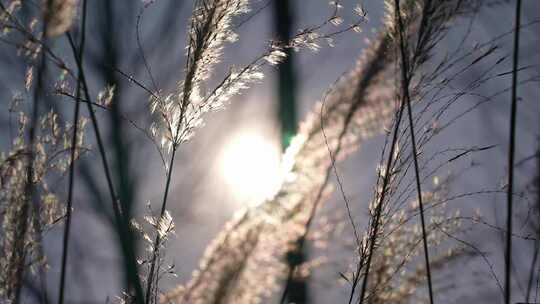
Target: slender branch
<point x="511" y="152"/>
<point x="97" y="131"/>
<point x="135" y="81"/>
<point x="378" y="210"/>
<point x="123" y="229"/>
<point x="149" y="279"/>
<point x="141" y="50"/>
<point x="193" y="57"/>
<point x="405" y="79"/>
<point x="123" y="117"/>
<point x="191" y="69"/>
<point x="67" y="226"/>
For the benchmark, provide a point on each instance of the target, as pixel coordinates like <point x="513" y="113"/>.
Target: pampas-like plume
<point x="180" y="113"/>
<point x="59" y="15"/>
<point x="51" y="157"/>
<point x="396" y="275"/>
<point x="416" y="30"/>
<point x="246" y="261"/>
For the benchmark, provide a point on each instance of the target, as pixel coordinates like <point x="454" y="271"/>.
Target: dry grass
<point x="411" y="235"/>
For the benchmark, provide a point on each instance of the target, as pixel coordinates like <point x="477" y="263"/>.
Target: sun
<point x="250" y="165"/>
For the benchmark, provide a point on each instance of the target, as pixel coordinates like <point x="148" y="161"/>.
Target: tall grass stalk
<point x="210" y="29"/>
<point x="378" y="211"/>
<point x="122" y="225"/>
<point x="511" y="152"/>
<point x="67" y="225"/>
<point x="155" y="252"/>
<point x="19" y="254"/>
<point x="429" y="30"/>
<point x="247" y="261"/>
<point x="405" y="81"/>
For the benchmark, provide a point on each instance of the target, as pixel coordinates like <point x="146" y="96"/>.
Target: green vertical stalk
<point x="286" y="73"/>
<point x="296" y="289"/>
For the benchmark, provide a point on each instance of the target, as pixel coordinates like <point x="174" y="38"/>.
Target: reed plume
<point x="59" y="15"/>
<point x="180" y="114"/>
<point x="51" y="158"/>
<point x="230" y="270"/>
<point x="355" y="108"/>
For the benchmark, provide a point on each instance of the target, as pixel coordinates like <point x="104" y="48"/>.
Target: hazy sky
<point x="201" y="199"/>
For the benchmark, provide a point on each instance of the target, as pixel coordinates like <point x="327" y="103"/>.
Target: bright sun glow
<point x="250" y="165"/>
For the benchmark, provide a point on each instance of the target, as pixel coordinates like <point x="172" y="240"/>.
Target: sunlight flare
<point x="250" y="165"/>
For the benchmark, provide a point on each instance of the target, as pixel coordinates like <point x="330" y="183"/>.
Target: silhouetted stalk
<point x="123" y="229"/>
<point x="183" y="105"/>
<point x="196" y="54"/>
<point x="378" y="210"/>
<point x="370" y="73"/>
<point x="158" y="239"/>
<point x="141" y="50"/>
<point x="511" y="151"/>
<point x="405" y="80"/>
<point x="97" y="133"/>
<point x="67" y="226"/>
<point x="420" y="45"/>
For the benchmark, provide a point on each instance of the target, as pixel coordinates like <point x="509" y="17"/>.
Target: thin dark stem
<point x="65" y="243"/>
<point x="378" y="210"/>
<point x="191" y="68"/>
<point x="123" y="229"/>
<point x="97" y="133"/>
<point x="371" y="71"/>
<point x="149" y="279"/>
<point x="405" y="78"/>
<point x="134" y="80"/>
<point x="141" y="50"/>
<point x="511" y="152"/>
<point x="193" y="58"/>
<point x="67" y="226"/>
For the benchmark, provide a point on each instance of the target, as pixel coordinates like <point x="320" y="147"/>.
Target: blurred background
<point x="233" y="161"/>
